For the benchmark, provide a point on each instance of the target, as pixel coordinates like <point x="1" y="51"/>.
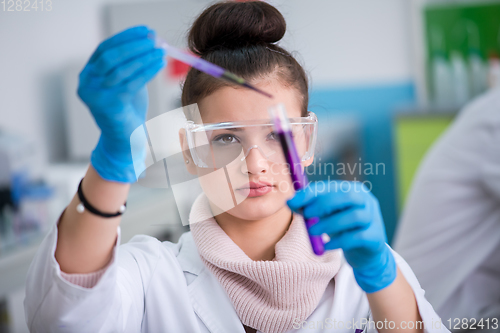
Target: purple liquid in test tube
<point x="299" y="178"/>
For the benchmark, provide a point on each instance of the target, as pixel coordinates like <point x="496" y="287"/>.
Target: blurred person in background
<point x="449" y="232"/>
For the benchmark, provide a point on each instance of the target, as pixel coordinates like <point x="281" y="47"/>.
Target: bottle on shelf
<point x="460" y="78"/>
<point x="477" y="73"/>
<point x="440" y="71"/>
<point x="442" y="80"/>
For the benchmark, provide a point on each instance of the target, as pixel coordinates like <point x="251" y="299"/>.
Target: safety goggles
<point x="217" y="145"/>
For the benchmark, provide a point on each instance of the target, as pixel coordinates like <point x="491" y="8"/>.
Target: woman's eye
<point x="273" y="136"/>
<point x="225" y="139"/>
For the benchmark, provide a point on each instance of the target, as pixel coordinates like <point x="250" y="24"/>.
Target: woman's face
<point x="235" y="188"/>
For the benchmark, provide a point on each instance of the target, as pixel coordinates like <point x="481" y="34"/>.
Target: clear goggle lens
<point x="218" y="145"/>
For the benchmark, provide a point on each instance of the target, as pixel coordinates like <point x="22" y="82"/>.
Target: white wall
<point x="346" y="42"/>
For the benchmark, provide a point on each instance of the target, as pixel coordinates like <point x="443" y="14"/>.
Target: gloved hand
<point x="113" y="86"/>
<point x="351" y="217"/>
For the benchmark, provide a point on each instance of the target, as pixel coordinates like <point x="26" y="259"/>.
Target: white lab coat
<point x="153" y="286"/>
<point x="449" y="232"/>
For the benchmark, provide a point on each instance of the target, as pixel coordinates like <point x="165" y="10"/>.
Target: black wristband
<point x="84" y="204"/>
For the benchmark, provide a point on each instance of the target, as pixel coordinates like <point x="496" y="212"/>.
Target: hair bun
<point x="231" y="25"/>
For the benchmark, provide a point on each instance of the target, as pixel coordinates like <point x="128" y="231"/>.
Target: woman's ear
<point x="188" y="160"/>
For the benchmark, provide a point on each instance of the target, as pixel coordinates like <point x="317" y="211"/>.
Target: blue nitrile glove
<point x="113" y="86"/>
<point x="351" y="217"/>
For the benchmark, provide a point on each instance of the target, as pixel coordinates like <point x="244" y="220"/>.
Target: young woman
<point x="248" y="269"/>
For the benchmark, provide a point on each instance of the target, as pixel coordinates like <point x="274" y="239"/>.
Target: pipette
<point x="206" y="66"/>
<point x="299" y="179"/>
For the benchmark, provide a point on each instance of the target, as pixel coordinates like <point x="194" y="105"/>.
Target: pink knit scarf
<point x="267" y="295"/>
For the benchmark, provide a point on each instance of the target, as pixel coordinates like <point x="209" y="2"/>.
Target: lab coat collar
<point x="210" y="301"/>
<point x="188" y="256"/>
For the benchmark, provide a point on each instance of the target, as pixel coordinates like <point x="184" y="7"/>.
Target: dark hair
<point x="241" y="37"/>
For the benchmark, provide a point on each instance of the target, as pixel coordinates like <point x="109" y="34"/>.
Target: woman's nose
<point x="254" y="161"/>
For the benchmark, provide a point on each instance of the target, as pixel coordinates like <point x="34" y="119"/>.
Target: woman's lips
<point x="256" y="192"/>
<point x="253" y="189"/>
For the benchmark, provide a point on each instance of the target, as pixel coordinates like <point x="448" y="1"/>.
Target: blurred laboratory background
<point x="387" y="78"/>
